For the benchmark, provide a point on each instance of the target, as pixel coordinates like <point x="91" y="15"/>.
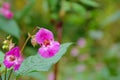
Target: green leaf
<point x="78" y="8"/>
<point x="37" y="63"/>
<point x="2" y="67"/>
<point x="1" y="57"/>
<point x="53" y="4"/>
<point x="114" y="51"/>
<point x="10" y="26"/>
<point x="66" y="5"/>
<point x="21" y="14"/>
<point x="110" y="19"/>
<point x="90" y="3"/>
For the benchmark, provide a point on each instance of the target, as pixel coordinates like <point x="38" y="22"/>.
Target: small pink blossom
<point x="51" y="76"/>
<point x="13" y="58"/>
<point x="49" y="47"/>
<point x="5" y="11"/>
<point x="81" y="42"/>
<point x="6" y="5"/>
<point x="80" y="68"/>
<point x="83" y="57"/>
<point x="74" y="52"/>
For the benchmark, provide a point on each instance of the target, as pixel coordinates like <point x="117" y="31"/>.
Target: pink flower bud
<point x="33" y="41"/>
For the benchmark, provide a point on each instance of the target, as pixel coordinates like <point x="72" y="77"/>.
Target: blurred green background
<point x="92" y="25"/>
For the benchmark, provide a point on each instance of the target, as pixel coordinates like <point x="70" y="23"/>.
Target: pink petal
<point x="14" y="51"/>
<point x="49" y="51"/>
<point x="74" y="52"/>
<point x="8" y="64"/>
<point x="8" y="14"/>
<point x="6" y="5"/>
<point x="81" y="42"/>
<point x="16" y="67"/>
<point x="43" y="52"/>
<point x="42" y="35"/>
<point x="50" y="76"/>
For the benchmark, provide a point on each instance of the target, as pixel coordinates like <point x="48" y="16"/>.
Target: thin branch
<point x="10" y="74"/>
<point x="29" y="36"/>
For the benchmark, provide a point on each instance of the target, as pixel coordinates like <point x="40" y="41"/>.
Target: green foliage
<point x="21" y="14"/>
<point x="1" y="61"/>
<point x="110" y="19"/>
<point x="53" y="4"/>
<point x="10" y="26"/>
<point x="91" y="3"/>
<point x="37" y="63"/>
<point x="78" y="8"/>
<point x="1" y="57"/>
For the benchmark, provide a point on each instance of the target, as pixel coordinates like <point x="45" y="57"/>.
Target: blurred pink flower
<point x="80" y="68"/>
<point x="49" y="47"/>
<point x="74" y="52"/>
<point x="6" y="5"/>
<point x="13" y="58"/>
<point x="50" y="76"/>
<point x="5" y="11"/>
<point x="83" y="57"/>
<point x="81" y="42"/>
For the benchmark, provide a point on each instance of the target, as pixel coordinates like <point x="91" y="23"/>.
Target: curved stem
<point x="29" y="36"/>
<point x="25" y="44"/>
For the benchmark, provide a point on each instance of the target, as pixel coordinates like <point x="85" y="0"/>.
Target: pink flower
<point x="51" y="76"/>
<point x="13" y="58"/>
<point x="49" y="47"/>
<point x="6" y="5"/>
<point x="44" y="35"/>
<point x="5" y="11"/>
<point x="81" y="42"/>
<point x="74" y="52"/>
<point x="80" y="68"/>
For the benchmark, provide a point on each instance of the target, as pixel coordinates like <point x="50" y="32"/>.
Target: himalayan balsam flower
<point x="74" y="52"/>
<point x="49" y="47"/>
<point x="13" y="58"/>
<point x="5" y="11"/>
<point x="81" y="42"/>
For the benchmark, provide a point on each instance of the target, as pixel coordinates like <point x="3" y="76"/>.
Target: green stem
<point x="5" y="73"/>
<point x="10" y="74"/>
<point x="0" y="77"/>
<point x="25" y="44"/>
<point x="29" y="36"/>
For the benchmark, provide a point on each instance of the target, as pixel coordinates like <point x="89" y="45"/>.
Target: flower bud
<point x="33" y="41"/>
<point x="5" y="47"/>
<point x="5" y="42"/>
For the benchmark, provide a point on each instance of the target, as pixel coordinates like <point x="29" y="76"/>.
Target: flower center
<point x="12" y="58"/>
<point x="46" y="43"/>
